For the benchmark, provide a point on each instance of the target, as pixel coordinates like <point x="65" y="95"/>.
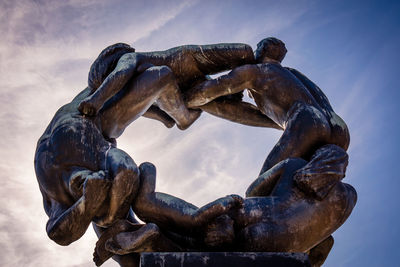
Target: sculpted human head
<point x="270" y="48"/>
<point x="105" y="63"/>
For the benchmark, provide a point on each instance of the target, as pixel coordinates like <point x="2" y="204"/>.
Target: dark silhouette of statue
<point x="82" y="175"/>
<point x="286" y="96"/>
<point x="293" y="207"/>
<point x="183" y="67"/>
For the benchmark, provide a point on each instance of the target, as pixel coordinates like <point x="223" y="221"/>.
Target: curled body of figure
<point x="82" y="175"/>
<point x="186" y="66"/>
<point x="286" y="96"/>
<point x="296" y="204"/>
<point x="293" y="207"/>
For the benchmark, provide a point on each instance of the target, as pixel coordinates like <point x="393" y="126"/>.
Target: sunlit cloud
<point x="45" y="54"/>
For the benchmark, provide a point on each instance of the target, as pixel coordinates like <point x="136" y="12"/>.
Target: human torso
<point x="190" y="63"/>
<point x="71" y="140"/>
<point x="296" y="222"/>
<point x="276" y="90"/>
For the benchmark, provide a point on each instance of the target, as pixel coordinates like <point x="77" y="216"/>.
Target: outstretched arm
<point x="174" y="213"/>
<point x="240" y="112"/>
<point x="266" y="182"/>
<point x="115" y="81"/>
<point x="235" y="81"/>
<point x="215" y="58"/>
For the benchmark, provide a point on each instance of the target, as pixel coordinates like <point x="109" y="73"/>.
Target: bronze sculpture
<point x="85" y="178"/>
<point x="270" y="218"/>
<point x="184" y="66"/>
<point x="286" y="96"/>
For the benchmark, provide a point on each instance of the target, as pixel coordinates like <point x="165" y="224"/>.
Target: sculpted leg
<point x="124" y="187"/>
<point x="161" y="209"/>
<point x="176" y="214"/>
<point x="156" y="84"/>
<point x="306" y="130"/>
<point x="134" y="100"/>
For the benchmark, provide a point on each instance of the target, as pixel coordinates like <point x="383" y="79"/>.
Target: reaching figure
<point x="286" y="96"/>
<point x="115" y="72"/>
<point x="82" y="175"/>
<point x="293" y="207"/>
<point x="296" y="205"/>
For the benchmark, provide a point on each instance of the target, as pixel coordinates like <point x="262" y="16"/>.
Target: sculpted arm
<point x="266" y="182"/>
<point x="115" y="81"/>
<point x="239" y="112"/>
<point x="235" y="81"/>
<point x="169" y="211"/>
<point x="67" y="224"/>
<point x="215" y="58"/>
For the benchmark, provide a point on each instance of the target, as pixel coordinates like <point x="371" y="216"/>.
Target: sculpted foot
<point x="101" y="254"/>
<point x="137" y="241"/>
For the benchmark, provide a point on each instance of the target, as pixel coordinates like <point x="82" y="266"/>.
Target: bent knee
<point x="60" y="237"/>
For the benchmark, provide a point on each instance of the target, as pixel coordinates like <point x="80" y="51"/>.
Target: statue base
<point x="217" y="259"/>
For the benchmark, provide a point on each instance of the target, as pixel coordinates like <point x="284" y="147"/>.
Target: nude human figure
<point x="296" y="205"/>
<point x="163" y="214"/>
<point x="293" y="207"/>
<point x="187" y="65"/>
<point x="286" y="96"/>
<point x="82" y="175"/>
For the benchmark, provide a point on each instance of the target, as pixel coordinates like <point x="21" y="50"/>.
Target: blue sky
<point x="349" y="48"/>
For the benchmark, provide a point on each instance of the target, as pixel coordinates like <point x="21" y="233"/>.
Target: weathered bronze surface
<point x="215" y="259"/>
<point x="295" y="204"/>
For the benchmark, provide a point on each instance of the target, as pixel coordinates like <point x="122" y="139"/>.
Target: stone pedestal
<point x="218" y="259"/>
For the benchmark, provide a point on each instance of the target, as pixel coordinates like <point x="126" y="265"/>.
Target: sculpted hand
<point x="95" y="189"/>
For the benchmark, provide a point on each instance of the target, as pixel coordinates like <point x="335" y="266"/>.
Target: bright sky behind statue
<point x="349" y="48"/>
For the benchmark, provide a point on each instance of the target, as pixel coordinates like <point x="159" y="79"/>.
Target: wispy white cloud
<point x="211" y="159"/>
<point x="44" y="63"/>
<point x="45" y="53"/>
